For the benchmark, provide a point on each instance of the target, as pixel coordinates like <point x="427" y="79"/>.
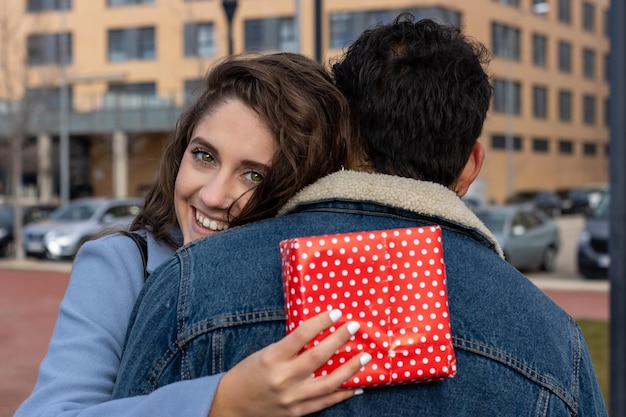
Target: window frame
<point x="540" y="102"/>
<point x="131" y="44"/>
<point x="46" y="49"/>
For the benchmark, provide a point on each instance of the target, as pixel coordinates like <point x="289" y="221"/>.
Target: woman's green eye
<point x="256" y="177"/>
<point x="206" y="157"/>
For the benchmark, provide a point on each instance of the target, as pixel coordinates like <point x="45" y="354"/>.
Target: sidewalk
<point x="31" y="264"/>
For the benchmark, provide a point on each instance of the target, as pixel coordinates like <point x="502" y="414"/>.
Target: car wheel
<point x="549" y="259"/>
<point x="4" y="250"/>
<point x="49" y="256"/>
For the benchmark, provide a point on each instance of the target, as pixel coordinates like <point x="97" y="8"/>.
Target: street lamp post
<point x="510" y="111"/>
<point x="64" y="146"/>
<point x="230" y="6"/>
<point x="509" y="139"/>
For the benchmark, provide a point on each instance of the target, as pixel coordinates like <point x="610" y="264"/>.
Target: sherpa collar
<point x="423" y="197"/>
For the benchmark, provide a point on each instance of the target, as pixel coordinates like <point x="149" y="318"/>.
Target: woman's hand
<point x="276" y="381"/>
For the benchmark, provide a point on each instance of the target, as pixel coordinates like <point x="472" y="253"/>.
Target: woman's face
<point x="229" y="154"/>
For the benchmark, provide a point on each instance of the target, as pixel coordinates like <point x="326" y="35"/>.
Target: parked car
<point x="595" y="192"/>
<point x="472" y="202"/>
<point x="31" y="213"/>
<point x="573" y="200"/>
<point x="593" y="258"/>
<point x="529" y="238"/>
<point x="546" y="201"/>
<point x="72" y="224"/>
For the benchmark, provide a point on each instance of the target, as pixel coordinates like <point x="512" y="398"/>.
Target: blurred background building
<point x="91" y="89"/>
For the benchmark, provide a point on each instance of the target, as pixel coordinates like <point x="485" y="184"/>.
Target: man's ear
<point x="471" y="169"/>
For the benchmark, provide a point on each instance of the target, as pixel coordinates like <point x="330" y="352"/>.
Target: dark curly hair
<point x="419" y="94"/>
<point x="306" y="113"/>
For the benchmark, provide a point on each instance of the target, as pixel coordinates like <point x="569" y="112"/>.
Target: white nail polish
<point x="335" y="315"/>
<point x="365" y="358"/>
<point x="358" y="391"/>
<point x="353" y="326"/>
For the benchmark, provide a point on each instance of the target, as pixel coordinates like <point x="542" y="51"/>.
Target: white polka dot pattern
<point x="391" y="281"/>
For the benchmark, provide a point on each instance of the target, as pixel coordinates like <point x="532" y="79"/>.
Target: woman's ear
<point x="471" y="169"/>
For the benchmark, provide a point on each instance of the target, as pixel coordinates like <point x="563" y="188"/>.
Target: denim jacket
<point x="221" y="299"/>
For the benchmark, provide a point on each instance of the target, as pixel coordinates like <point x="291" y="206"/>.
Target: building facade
<point x="111" y="76"/>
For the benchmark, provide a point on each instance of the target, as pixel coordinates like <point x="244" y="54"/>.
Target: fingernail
<point x="365" y="358"/>
<point x="335" y="315"/>
<point x="353" y="326"/>
<point x="358" y="391"/>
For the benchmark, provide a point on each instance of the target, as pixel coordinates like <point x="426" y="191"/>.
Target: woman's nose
<point x="218" y="192"/>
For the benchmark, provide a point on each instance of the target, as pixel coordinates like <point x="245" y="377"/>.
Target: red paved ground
<point x="583" y="304"/>
<point x="29" y="302"/>
<point x="28" y="308"/>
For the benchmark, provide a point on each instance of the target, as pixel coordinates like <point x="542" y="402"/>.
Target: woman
<point x="262" y="128"/>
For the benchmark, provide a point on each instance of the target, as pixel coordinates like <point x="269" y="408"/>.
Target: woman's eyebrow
<point x="200" y="141"/>
<point x="256" y="165"/>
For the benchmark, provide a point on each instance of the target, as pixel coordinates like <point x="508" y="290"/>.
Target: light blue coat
<point x="77" y="374"/>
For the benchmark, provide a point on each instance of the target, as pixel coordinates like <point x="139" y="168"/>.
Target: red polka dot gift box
<point x="393" y="282"/>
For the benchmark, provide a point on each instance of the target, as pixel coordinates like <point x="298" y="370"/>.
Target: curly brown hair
<point x="306" y="114"/>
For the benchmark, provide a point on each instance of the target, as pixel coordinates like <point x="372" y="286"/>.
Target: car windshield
<point x="494" y="221"/>
<point x="6" y="215"/>
<point x="74" y="212"/>
<point x="601" y="211"/>
<point x="522" y="197"/>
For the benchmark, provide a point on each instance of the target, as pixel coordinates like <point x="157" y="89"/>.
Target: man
<point x="419" y="95"/>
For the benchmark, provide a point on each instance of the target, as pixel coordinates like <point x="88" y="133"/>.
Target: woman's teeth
<point x="210" y="224"/>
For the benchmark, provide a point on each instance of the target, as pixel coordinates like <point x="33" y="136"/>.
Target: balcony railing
<point x="98" y="115"/>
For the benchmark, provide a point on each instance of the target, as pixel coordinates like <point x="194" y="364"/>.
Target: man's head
<point x="418" y="95"/>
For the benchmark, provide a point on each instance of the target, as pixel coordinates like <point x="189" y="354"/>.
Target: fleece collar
<point x="422" y="197"/>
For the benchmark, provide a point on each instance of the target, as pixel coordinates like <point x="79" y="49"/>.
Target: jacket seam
<point x="514" y="363"/>
<point x="187" y="335"/>
<point x="157" y="370"/>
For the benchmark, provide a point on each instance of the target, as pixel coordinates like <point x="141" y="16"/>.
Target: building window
<point x="340" y="30"/>
<point x="589" y="17"/>
<point x="287" y="37"/>
<point x="509" y="2"/>
<point x="566" y="147"/>
<point x="49" y="49"/>
<point x="565" y="56"/>
<point x="131" y="44"/>
<point x="589" y="109"/>
<point x="499" y="142"/>
<point x="565" y="11"/>
<point x="133" y="96"/>
<point x="540" y="100"/>
<point x="192" y="88"/>
<point x="590" y="149"/>
<point x="117" y="3"/>
<point x="275" y="34"/>
<point x="345" y="27"/>
<point x="48" y="5"/>
<point x="541" y="145"/>
<point x="540" y="46"/>
<point x="565" y="106"/>
<point x="589" y="62"/>
<point x="505" y="41"/>
<point x="507" y="97"/>
<point x="47" y="98"/>
<point x="199" y="39"/>
<point x="142" y="89"/>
